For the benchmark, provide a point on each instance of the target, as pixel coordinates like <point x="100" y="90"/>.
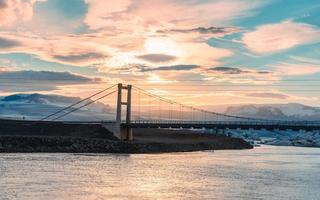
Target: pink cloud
<point x="241" y="75"/>
<point x="271" y="95"/>
<point x="12" y="11"/>
<point x="127" y="26"/>
<point x="101" y="13"/>
<point x="123" y="29"/>
<point x="168" y="14"/>
<point x="276" y="37"/>
<point x="203" y="54"/>
<point x="297" y="69"/>
<point x="67" y="50"/>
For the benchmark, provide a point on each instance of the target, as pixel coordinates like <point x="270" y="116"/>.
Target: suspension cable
<point x="198" y="109"/>
<point x="76" y="103"/>
<point x="87" y="104"/>
<point x="139" y="108"/>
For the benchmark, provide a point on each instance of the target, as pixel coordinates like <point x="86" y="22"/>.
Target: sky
<point x="199" y="52"/>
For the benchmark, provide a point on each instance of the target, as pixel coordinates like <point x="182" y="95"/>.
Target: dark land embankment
<point x="23" y="136"/>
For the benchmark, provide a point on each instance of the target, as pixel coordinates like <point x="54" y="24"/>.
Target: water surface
<point x="267" y="172"/>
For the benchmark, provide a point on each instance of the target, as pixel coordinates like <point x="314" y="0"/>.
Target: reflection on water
<point x="262" y="173"/>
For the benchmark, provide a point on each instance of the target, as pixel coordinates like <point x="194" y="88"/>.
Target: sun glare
<point x="162" y="46"/>
<point x="153" y="78"/>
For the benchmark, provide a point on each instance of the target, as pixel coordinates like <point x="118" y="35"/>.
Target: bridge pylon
<point x="123" y="133"/>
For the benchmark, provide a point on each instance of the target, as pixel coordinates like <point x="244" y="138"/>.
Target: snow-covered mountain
<point x="39" y="99"/>
<point x="37" y="106"/>
<point x="293" y="111"/>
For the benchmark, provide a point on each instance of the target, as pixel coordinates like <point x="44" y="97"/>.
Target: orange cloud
<point x="127" y="32"/>
<point x="177" y="29"/>
<point x="12" y="11"/>
<point x="276" y="37"/>
<point x="68" y="50"/>
<point x="100" y="12"/>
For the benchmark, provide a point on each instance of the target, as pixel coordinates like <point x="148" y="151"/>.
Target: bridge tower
<point x="124" y="133"/>
<point x="117" y="128"/>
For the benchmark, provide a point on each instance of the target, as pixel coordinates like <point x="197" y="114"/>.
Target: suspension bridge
<point x="139" y="108"/>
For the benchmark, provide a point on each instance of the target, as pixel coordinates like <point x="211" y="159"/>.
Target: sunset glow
<point x="159" y="99"/>
<point x="228" y="51"/>
<point x="162" y="46"/>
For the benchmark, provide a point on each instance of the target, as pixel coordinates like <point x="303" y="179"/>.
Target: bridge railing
<point x="199" y="123"/>
<point x="273" y="122"/>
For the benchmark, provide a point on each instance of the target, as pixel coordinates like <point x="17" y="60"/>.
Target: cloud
<point x="307" y="60"/>
<point x="180" y="27"/>
<point x="68" y="50"/>
<point x="296" y="69"/>
<point x="4" y="69"/>
<point x="171" y="68"/>
<point x="199" y="34"/>
<point x="44" y="76"/>
<point x="272" y="38"/>
<point x="3" y="4"/>
<point x="18" y="81"/>
<point x="268" y="95"/>
<point x="141" y="69"/>
<point x="8" y="43"/>
<point x="80" y="57"/>
<point x="234" y="70"/>
<point x="120" y="34"/>
<point x="101" y="13"/>
<point x="212" y="31"/>
<point x="228" y="70"/>
<point x="121" y="30"/>
<point x="157" y="58"/>
<point x="12" y="11"/>
<point x="203" y="54"/>
<point x="187" y="13"/>
<point x="297" y="66"/>
<point x="240" y="75"/>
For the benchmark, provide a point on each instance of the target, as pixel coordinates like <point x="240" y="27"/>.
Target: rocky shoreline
<point x="26" y="136"/>
<point x="29" y="144"/>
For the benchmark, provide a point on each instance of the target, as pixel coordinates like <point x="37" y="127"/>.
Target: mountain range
<point x="290" y="111"/>
<point x="37" y="106"/>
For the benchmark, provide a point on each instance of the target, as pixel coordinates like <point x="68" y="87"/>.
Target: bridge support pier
<point x="123" y="133"/>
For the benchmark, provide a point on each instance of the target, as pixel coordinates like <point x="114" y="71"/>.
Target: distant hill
<point x="39" y="99"/>
<point x="37" y="106"/>
<point x="293" y="111"/>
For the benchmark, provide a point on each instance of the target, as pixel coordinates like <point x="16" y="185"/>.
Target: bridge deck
<point x="270" y="125"/>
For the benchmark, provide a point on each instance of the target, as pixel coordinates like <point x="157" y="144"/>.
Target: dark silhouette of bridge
<point x="145" y="109"/>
